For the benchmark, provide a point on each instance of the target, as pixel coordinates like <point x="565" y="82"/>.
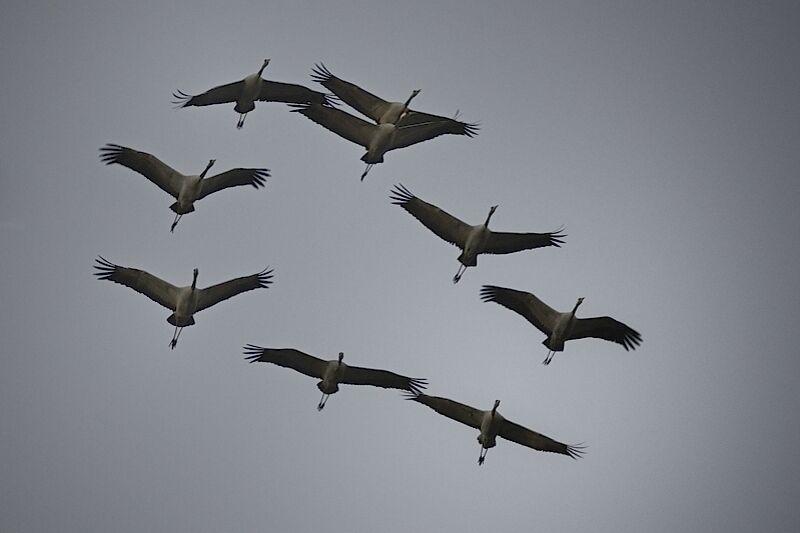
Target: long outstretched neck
<point x="489" y="216"/>
<point x="494" y="409"/>
<point x="414" y="93"/>
<point x="341" y="356"/>
<point x="263" y="66"/>
<point x="208" y="167"/>
<point x="577" y="304"/>
<point x="195" y="272"/>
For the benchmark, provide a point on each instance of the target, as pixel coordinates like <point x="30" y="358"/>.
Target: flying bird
<point x="184" y="302"/>
<point x="185" y="189"/>
<point x="249" y="90"/>
<point x="332" y="373"/>
<point x="472" y="240"/>
<point x="377" y="109"/>
<point x="561" y="327"/>
<point x="492" y="425"/>
<point x="395" y="127"/>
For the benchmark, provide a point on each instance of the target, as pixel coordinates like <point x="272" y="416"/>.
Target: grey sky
<point x="665" y="137"/>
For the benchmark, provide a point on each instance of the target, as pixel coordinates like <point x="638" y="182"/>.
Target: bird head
<point x="208" y="167"/>
<point x="496" y="405"/>
<point x="341" y="356"/>
<point x="195" y="272"/>
<point x="414" y="93"/>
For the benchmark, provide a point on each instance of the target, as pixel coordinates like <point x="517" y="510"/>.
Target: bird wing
<point x="507" y="243"/>
<point x="362" y="101"/>
<point x="291" y="93"/>
<point x="355" y="375"/>
<point x="222" y="291"/>
<point x="256" y="177"/>
<point x="435" y="219"/>
<point x="167" y="178"/>
<point x="526" y="304"/>
<point x="605" y="327"/>
<point x="457" y="411"/>
<point x="424" y="126"/>
<point x="343" y="124"/>
<point x="288" y="358"/>
<point x="218" y="95"/>
<point x="142" y="282"/>
<point x="522" y="435"/>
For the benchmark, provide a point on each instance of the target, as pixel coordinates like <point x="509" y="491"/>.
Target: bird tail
<point x="176" y="208"/>
<point x="371" y="159"/>
<point x="183" y="323"/>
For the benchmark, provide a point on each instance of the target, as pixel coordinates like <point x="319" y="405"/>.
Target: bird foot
<point x="173" y="343"/>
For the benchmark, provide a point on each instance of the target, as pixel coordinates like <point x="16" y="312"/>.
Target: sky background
<point x="665" y="136"/>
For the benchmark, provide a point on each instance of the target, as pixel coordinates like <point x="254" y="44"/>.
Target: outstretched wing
<point x="142" y="282"/>
<point x="343" y="124"/>
<point x="355" y="375"/>
<point x="291" y="93"/>
<point x="507" y="243"/>
<point x="222" y="291"/>
<point x="424" y="127"/>
<point x="607" y="328"/>
<point x="457" y="411"/>
<point x="287" y="357"/>
<point x="522" y="435"/>
<point x="257" y="177"/>
<point x="362" y="101"/>
<point x="439" y="221"/>
<point x="148" y="165"/>
<point x="526" y="304"/>
<point x="222" y="94"/>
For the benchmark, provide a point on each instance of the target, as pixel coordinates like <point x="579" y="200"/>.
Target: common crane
<point x="185" y="189"/>
<point x="184" y="302"/>
<point x="249" y="90"/>
<point x="378" y="139"/>
<point x="472" y="240"/>
<point x="332" y="373"/>
<point x="560" y="327"/>
<point x="492" y="424"/>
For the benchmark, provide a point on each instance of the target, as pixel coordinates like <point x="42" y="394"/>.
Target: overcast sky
<point x="664" y="136"/>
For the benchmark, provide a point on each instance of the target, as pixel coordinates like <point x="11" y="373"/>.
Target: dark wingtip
<point x="489" y="293"/>
<point x="265" y="277"/>
<point x="105" y="268"/>
<point x="252" y="353"/>
<point x="320" y="73"/>
<point x="110" y="153"/>
<point x="576" y="451"/>
<point x="400" y="195"/>
<point x="181" y="99"/>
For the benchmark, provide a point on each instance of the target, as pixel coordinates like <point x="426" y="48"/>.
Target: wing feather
<point x="222" y="291"/>
<point x="362" y="101"/>
<point x="287" y="357"/>
<point x="526" y="304"/>
<point x="290" y="93"/>
<point x="607" y="328"/>
<point x="439" y="221"/>
<point x="355" y="375"/>
<point x="343" y="124"/>
<point x="507" y="243"/>
<point x="522" y="435"/>
<point x="164" y="176"/>
<point x="257" y="177"/>
<point x="222" y="94"/>
<point x="451" y="409"/>
<point x="415" y="130"/>
<point x="142" y="282"/>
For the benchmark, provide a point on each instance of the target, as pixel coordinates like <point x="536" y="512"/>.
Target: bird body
<point x="185" y="189"/>
<point x="560" y="326"/>
<point x="473" y="240"/>
<point x="184" y="302"/>
<point x="331" y="373"/>
<point x="491" y="424"/>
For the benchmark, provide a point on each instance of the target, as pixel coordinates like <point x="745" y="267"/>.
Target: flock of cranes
<point x="393" y="125"/>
